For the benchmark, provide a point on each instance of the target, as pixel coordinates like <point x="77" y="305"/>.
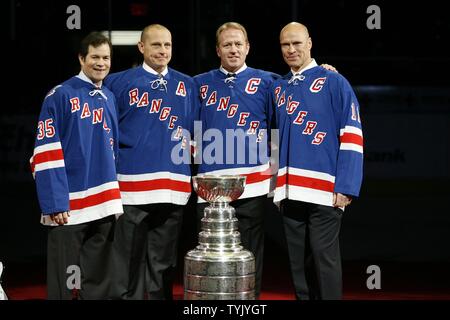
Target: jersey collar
<point x="310" y="65"/>
<point x="152" y="71"/>
<point x="224" y="71"/>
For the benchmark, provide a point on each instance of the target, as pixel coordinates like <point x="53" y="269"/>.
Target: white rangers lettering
<point x="253" y="126"/>
<point x="318" y="138"/>
<point x="86" y="112"/>
<point x="291" y="106"/>
<point x="178" y="133"/>
<point x="277" y="92"/>
<point x="310" y="125"/>
<point x="212" y="98"/>
<point x="203" y="91"/>
<point x="301" y="115"/>
<point x="260" y="135"/>
<point x="105" y="126"/>
<point x="165" y="112"/>
<point x="75" y="104"/>
<point x="172" y="121"/>
<point x="143" y="101"/>
<point x="134" y="96"/>
<point x="223" y="103"/>
<point x="232" y="110"/>
<point x="242" y="117"/>
<point x="156" y="104"/>
<point x="98" y="116"/>
<point x="282" y="99"/>
<point x="184" y="143"/>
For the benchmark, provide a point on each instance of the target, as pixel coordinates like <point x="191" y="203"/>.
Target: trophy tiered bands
<point x="219" y="268"/>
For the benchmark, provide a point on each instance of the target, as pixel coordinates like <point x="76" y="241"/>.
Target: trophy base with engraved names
<point x="219" y="268"/>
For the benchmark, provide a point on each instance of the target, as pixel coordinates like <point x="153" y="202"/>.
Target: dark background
<point x="400" y="74"/>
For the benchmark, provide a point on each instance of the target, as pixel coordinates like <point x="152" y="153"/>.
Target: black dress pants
<point x="312" y="234"/>
<point x="78" y="260"/>
<point x="145" y="251"/>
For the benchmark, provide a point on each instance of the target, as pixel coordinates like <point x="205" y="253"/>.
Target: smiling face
<point x="156" y="46"/>
<point x="96" y="63"/>
<point x="232" y="49"/>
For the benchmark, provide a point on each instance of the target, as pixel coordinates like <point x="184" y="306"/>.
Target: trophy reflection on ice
<point x="219" y="268"/>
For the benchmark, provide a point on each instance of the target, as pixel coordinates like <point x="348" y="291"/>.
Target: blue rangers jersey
<point x="74" y="156"/>
<point x="321" y="140"/>
<point x="155" y="118"/>
<point x="235" y="114"/>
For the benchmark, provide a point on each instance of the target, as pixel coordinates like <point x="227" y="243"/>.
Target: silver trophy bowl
<point x="219" y="189"/>
<point x="219" y="268"/>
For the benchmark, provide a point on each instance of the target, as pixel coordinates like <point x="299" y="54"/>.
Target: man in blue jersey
<point x="74" y="167"/>
<point x="235" y="103"/>
<point x="155" y="105"/>
<point x="321" y="159"/>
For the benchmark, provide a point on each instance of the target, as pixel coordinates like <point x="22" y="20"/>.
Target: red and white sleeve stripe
<point x="47" y="156"/>
<point x="351" y="139"/>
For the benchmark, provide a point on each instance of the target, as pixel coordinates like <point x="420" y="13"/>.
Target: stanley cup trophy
<point x="219" y="268"/>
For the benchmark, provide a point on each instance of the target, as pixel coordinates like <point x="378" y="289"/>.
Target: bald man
<point x="155" y="105"/>
<point x="321" y="158"/>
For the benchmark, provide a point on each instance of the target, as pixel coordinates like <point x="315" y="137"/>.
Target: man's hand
<point x="329" y="67"/>
<point x="341" y="200"/>
<point x="60" y="218"/>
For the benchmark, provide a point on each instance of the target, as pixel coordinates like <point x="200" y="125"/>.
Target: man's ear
<point x="81" y="59"/>
<point x="140" y="46"/>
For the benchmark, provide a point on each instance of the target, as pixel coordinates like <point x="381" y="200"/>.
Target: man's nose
<point x="291" y="48"/>
<point x="234" y="48"/>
